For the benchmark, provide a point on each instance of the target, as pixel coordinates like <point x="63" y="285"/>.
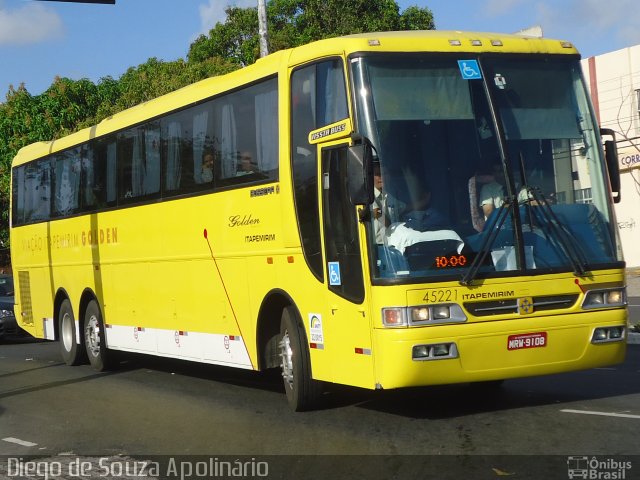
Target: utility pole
<point x="262" y="28"/>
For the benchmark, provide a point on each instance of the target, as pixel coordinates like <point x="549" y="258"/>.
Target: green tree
<point x="155" y="78"/>
<point x="67" y="104"/>
<point x="295" y="22"/>
<point x="236" y="39"/>
<point x="416" y="18"/>
<point x="19" y="125"/>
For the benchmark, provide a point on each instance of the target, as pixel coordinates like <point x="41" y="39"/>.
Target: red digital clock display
<point x="451" y="261"/>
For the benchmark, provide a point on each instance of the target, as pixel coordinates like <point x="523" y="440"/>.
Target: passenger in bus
<point x="386" y="208"/>
<point x="492" y="191"/>
<point x="208" y="160"/>
<point x="491" y="184"/>
<point x="424" y="216"/>
<point x="424" y="224"/>
<point x="245" y="164"/>
<point x="492" y="195"/>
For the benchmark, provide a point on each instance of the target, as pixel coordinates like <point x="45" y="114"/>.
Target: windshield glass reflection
<point x="451" y="198"/>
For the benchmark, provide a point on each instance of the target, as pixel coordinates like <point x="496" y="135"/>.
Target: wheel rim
<point x="286" y="355"/>
<point x="92" y="336"/>
<point x="67" y="332"/>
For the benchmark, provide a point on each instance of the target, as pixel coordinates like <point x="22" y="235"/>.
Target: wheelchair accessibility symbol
<point x="334" y="273"/>
<point x="470" y="69"/>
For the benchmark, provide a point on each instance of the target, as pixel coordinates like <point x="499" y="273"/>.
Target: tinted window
<point x="32" y="192"/>
<point x="341" y="225"/>
<point x="227" y="141"/>
<point x="66" y="181"/>
<point x="318" y="98"/>
<point x="138" y="153"/>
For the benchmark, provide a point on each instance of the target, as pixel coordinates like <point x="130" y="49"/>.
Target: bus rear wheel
<point x="303" y="392"/>
<point x="94" y="339"/>
<point x="72" y="352"/>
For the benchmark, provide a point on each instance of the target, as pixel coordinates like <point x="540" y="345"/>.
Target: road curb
<point x="633" y="338"/>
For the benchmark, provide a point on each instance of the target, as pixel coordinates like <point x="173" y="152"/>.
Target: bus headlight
<point x="441" y="312"/>
<point x="433" y="314"/>
<point x="616" y="333"/>
<point x="614" y="297"/>
<point x="609" y="298"/>
<point x="422" y="315"/>
<point x="436" y="351"/>
<point x="608" y="334"/>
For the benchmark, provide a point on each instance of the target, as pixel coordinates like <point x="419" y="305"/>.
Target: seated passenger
<point x="386" y="208"/>
<point x="492" y="191"/>
<point x="245" y="164"/>
<point x="424" y="217"/>
<point x="492" y="195"/>
<point x="206" y="172"/>
<point x="422" y="224"/>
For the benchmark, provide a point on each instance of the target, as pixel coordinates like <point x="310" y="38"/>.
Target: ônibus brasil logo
<point x="593" y="468"/>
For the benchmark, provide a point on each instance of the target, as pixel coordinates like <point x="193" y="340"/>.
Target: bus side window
<point x="139" y="162"/>
<point x="100" y="174"/>
<point x="32" y="192"/>
<point x="66" y="180"/>
<point x="247" y="130"/>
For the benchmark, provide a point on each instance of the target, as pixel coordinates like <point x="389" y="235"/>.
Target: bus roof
<point x="403" y="41"/>
<point x="436" y="41"/>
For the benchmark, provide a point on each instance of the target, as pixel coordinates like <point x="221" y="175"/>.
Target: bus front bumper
<point x="498" y="350"/>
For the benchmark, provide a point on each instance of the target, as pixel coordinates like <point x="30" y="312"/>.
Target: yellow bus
<point x="380" y="210"/>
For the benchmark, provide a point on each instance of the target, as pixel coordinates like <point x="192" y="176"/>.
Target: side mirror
<point x="360" y="172"/>
<point x="613" y="165"/>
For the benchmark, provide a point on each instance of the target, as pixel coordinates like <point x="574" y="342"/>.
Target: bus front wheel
<point x="94" y="338"/>
<point x="72" y="352"/>
<point x="303" y="392"/>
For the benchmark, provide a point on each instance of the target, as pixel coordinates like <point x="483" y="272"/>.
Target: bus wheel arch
<point x="268" y="328"/>
<point x="71" y="346"/>
<point x="282" y="343"/>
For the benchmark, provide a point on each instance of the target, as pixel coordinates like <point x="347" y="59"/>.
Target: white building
<point x="614" y="82"/>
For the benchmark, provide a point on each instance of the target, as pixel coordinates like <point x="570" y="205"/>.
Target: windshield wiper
<point x="561" y="235"/>
<point x="485" y="247"/>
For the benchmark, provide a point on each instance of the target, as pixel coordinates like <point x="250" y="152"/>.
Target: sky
<point x="40" y="40"/>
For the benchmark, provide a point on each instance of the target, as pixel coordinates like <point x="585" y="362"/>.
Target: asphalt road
<point x="151" y="407"/>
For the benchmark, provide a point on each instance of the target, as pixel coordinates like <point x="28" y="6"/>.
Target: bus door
<point x="347" y="320"/>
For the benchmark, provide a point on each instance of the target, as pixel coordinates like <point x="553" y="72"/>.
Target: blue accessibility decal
<point x="470" y="69"/>
<point x="334" y="273"/>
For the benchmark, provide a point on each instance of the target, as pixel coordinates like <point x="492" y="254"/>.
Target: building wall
<point x="614" y="82"/>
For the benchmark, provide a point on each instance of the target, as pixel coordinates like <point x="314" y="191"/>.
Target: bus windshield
<point x="483" y="166"/>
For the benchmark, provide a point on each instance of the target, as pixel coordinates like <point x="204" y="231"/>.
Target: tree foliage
<point x="69" y="105"/>
<point x="295" y="22"/>
<point x="236" y="40"/>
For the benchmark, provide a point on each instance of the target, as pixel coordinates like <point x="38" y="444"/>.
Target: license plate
<point x="527" y="340"/>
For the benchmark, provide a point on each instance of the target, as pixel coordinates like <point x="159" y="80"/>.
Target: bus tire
<point x="94" y="338"/>
<point x="303" y="392"/>
<point x="72" y="352"/>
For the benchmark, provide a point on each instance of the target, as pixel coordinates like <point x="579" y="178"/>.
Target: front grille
<point x="510" y="306"/>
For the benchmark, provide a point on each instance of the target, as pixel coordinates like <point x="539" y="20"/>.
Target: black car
<point x="8" y="324"/>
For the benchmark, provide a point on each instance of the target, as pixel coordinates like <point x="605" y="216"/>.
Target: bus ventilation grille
<point x="510" y="306"/>
<point x="25" y="298"/>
